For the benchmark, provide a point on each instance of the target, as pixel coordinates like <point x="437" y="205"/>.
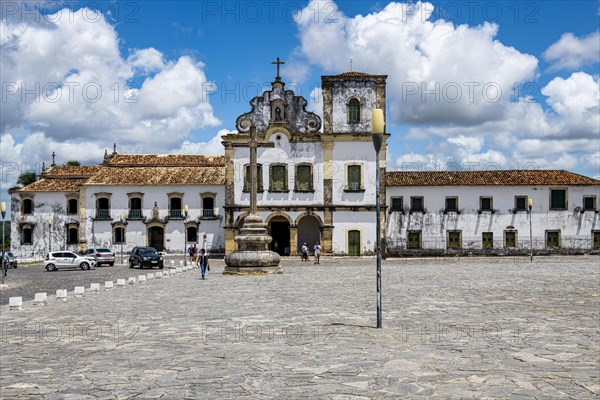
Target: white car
<point x="64" y="259"/>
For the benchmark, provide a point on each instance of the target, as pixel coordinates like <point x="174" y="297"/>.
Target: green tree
<point x="72" y="163"/>
<point x="13" y="189"/>
<point x="26" y="178"/>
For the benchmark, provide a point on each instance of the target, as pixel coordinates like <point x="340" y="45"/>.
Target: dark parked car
<point x="145" y="257"/>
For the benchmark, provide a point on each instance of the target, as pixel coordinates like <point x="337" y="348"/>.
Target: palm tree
<point x="26" y="178"/>
<point x="72" y="163"/>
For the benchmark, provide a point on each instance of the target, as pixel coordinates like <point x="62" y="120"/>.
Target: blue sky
<point x="193" y="66"/>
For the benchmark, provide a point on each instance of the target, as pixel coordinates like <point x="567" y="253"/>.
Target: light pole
<point x="378" y="129"/>
<point x="185" y="215"/>
<point x="530" y="201"/>
<point x="49" y="235"/>
<point x="4" y="264"/>
<point x="121" y="217"/>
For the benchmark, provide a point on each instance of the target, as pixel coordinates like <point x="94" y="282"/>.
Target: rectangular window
<point x="259" y="178"/>
<point x="485" y="203"/>
<point x="119" y="235"/>
<point x="589" y="203"/>
<point x="416" y="204"/>
<point x="26" y="236"/>
<point x="552" y="239"/>
<point x="397" y="204"/>
<point x="27" y="206"/>
<point x="596" y="239"/>
<point x="414" y="240"/>
<point x="452" y="204"/>
<point x="454" y="240"/>
<point x="354" y="179"/>
<point x="304" y="181"/>
<point x="520" y="203"/>
<point x="72" y="235"/>
<point x="510" y="239"/>
<point x="278" y="178"/>
<point x="487" y="240"/>
<point x="558" y="199"/>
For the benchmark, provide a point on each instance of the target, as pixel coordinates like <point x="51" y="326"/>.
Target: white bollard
<point x="108" y="285"/>
<point x="158" y="274"/>
<point x="150" y="276"/>
<point x="141" y="278"/>
<point x="131" y="280"/>
<point x="15" y="303"/>
<point x="40" y="299"/>
<point x="172" y="272"/>
<point x="95" y="287"/>
<point x="172" y="262"/>
<point x="79" y="291"/>
<point x="120" y="282"/>
<point x="61" y="294"/>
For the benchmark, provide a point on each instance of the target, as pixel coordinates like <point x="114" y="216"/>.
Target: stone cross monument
<point x="253" y="255"/>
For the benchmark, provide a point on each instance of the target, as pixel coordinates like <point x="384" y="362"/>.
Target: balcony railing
<point x="175" y="214"/>
<point x="102" y="214"/>
<point x="135" y="214"/>
<point x="208" y="213"/>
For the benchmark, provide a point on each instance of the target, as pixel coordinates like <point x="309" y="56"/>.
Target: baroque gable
<point x="279" y="106"/>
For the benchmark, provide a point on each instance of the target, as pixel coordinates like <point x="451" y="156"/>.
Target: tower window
<point x="354" y="111"/>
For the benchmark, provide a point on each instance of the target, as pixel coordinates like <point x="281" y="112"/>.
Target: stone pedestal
<point x="253" y="255"/>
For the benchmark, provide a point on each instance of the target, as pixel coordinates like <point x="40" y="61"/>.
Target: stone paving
<point x="453" y="328"/>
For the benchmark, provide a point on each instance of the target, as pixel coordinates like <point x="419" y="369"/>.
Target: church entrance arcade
<point x="309" y="231"/>
<point x="279" y="229"/>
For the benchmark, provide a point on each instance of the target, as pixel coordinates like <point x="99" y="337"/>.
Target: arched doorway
<point x="156" y="237"/>
<point x="279" y="228"/>
<point x="309" y="231"/>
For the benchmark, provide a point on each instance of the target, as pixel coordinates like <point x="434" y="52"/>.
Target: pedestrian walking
<point x="190" y="251"/>
<point x="203" y="263"/>
<point x="195" y="253"/>
<point x="304" y="252"/>
<point x="317" y="251"/>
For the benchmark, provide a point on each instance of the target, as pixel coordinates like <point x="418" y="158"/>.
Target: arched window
<point x="27" y="206"/>
<point x="72" y="235"/>
<point x="192" y="234"/>
<point x="354" y="111"/>
<point x="119" y="235"/>
<point x="175" y="208"/>
<point x="72" y="206"/>
<point x="208" y="207"/>
<point x="278" y="178"/>
<point x="103" y="208"/>
<point x="135" y="208"/>
<point x="304" y="178"/>
<point x="259" y="178"/>
<point x="27" y="235"/>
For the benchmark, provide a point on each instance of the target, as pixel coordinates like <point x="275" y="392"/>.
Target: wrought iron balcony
<point x="208" y="213"/>
<point x="135" y="214"/>
<point x="176" y="214"/>
<point x="102" y="214"/>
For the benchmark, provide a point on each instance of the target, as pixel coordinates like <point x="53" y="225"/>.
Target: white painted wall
<point x="284" y="152"/>
<point x="347" y="220"/>
<point x="576" y="228"/>
<point x="354" y="152"/>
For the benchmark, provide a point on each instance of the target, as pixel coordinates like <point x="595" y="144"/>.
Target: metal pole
<point x="4" y="266"/>
<point x="377" y="142"/>
<point x="530" y="233"/>
<point x="122" y="251"/>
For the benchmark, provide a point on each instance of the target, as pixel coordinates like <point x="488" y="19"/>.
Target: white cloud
<point x="68" y="80"/>
<point x="439" y="72"/>
<point x="213" y="146"/>
<point x="571" y="52"/>
<point x="443" y="81"/>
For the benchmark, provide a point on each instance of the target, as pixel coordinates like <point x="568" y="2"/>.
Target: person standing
<point x="317" y="251"/>
<point x="194" y="253"/>
<point x="304" y="252"/>
<point x="190" y="251"/>
<point x="203" y="262"/>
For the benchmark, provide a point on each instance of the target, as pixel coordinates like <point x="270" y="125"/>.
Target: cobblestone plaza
<point x="453" y="328"/>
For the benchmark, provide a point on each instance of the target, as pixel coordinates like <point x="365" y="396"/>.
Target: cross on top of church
<point x="53" y="161"/>
<point x="278" y="63"/>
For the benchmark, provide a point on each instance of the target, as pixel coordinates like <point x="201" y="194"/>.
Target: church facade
<point x="316" y="183"/>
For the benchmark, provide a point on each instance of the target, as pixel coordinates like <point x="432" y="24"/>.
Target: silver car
<point x="101" y="256"/>
<point x="62" y="259"/>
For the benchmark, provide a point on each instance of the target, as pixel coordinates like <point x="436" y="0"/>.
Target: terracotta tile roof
<point x="488" y="178"/>
<point x="54" y="185"/>
<point x="166" y="160"/>
<point x="159" y="176"/>
<point x="72" y="171"/>
<point x="353" y="73"/>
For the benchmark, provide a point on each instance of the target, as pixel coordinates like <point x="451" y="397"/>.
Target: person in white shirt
<point x="317" y="251"/>
<point x="304" y="252"/>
